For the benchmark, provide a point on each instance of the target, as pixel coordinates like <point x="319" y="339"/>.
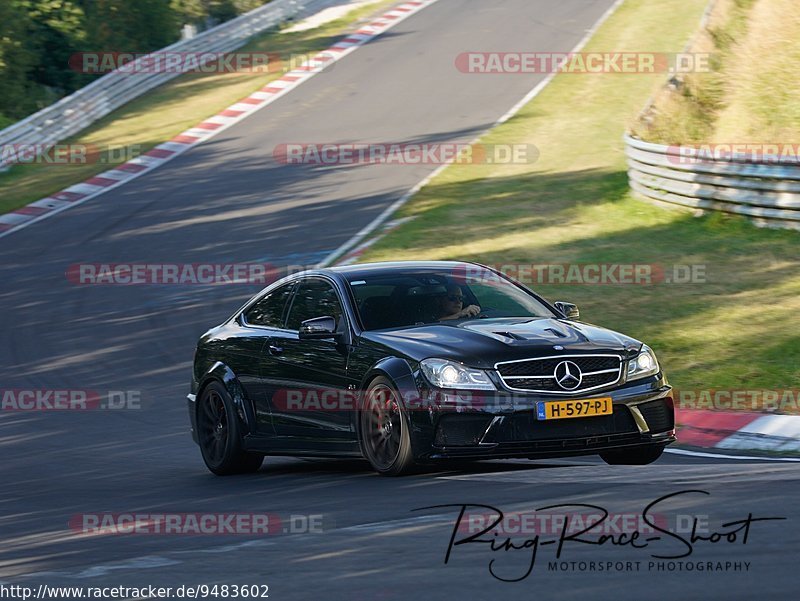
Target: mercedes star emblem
<point x="568" y="375"/>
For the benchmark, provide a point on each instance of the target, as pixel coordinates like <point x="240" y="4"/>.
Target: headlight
<point x="645" y="364"/>
<point x="449" y="374"/>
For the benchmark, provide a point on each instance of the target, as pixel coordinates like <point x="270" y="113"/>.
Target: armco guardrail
<point x="768" y="191"/>
<point x="75" y="112"/>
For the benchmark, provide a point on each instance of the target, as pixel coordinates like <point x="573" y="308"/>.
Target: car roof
<point x="394" y="267"/>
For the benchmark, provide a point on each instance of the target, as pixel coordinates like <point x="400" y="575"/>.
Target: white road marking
<point x="723" y="456"/>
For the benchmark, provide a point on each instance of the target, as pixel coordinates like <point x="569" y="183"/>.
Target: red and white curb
<point x="738" y="431"/>
<point x="113" y="178"/>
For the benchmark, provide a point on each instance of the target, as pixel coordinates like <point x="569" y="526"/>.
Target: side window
<point x="269" y="310"/>
<point x="314" y="298"/>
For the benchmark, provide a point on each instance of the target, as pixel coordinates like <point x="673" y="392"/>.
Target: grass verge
<point x="733" y="331"/>
<point x="170" y="109"/>
<point x="750" y="93"/>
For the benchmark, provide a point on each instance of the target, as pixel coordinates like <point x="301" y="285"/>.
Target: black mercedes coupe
<point x="407" y="363"/>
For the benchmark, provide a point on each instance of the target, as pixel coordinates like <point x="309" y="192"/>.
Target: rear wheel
<point x="640" y="455"/>
<point x="219" y="436"/>
<point x="384" y="432"/>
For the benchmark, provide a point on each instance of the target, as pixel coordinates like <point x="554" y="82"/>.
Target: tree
<point x="55" y="32"/>
<point x="38" y="37"/>
<point x="17" y="59"/>
<point x="140" y="26"/>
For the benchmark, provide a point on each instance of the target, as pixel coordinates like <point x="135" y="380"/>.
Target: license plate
<point x="573" y="408"/>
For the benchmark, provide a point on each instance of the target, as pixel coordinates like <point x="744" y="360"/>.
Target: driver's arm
<point x="469" y="311"/>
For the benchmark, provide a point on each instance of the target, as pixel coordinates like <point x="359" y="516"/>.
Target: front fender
<point x="399" y="372"/>
<point x="404" y="376"/>
<point x="221" y="372"/>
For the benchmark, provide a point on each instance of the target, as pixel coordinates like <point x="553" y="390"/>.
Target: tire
<point x="218" y="434"/>
<point x="639" y="455"/>
<point x="385" y="440"/>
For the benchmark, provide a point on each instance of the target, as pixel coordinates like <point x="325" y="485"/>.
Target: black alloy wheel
<point x="384" y="431"/>
<point x="218" y="433"/>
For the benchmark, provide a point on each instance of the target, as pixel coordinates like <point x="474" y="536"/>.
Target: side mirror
<point x="318" y="328"/>
<point x="568" y="309"/>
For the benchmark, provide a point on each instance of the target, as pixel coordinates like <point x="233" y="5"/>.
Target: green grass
<point x="737" y="330"/>
<point x="170" y="109"/>
<point x="751" y="94"/>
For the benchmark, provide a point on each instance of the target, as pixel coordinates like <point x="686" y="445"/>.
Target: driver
<point x="451" y="305"/>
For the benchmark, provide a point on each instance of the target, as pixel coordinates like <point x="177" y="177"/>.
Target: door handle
<point x="274" y="349"/>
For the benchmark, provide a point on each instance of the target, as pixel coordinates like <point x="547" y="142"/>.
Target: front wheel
<point x="218" y="434"/>
<point x="639" y="455"/>
<point x="384" y="432"/>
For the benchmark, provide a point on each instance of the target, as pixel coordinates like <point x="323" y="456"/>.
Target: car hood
<point x="484" y="342"/>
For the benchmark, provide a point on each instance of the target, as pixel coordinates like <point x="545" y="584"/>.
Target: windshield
<point x="399" y="298"/>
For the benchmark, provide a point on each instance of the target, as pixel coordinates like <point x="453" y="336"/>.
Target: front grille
<point x="538" y="375"/>
<point x="658" y="415"/>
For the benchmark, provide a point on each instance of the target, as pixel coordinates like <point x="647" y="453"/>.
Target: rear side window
<point x="314" y="298"/>
<point x="269" y="310"/>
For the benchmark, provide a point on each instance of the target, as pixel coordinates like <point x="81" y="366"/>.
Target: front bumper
<point x="507" y="427"/>
<point x="191" y="400"/>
